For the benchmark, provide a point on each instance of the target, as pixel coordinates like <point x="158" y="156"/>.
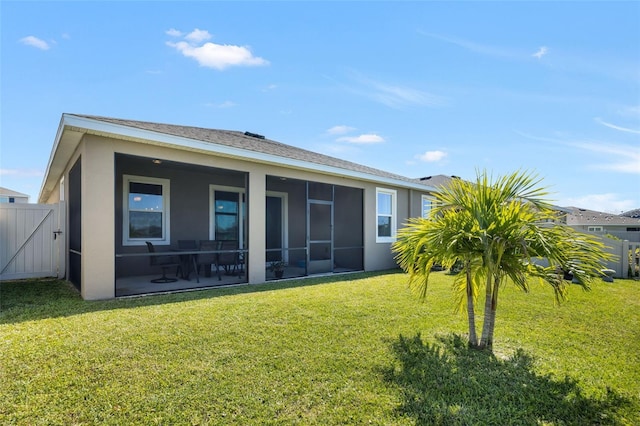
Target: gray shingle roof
<point x="240" y="140"/>
<point x="580" y="216"/>
<point x="635" y="213"/>
<point x="437" y="180"/>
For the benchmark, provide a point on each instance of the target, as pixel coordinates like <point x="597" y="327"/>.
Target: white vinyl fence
<point x="31" y="241"/>
<point x="627" y="262"/>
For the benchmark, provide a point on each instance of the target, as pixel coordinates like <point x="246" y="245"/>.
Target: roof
<point x="437" y="180"/>
<point x="230" y="143"/>
<point x="10" y="193"/>
<point x="632" y="213"/>
<point x="580" y="216"/>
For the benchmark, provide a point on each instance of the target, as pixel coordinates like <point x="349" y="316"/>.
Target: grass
<point x="355" y="349"/>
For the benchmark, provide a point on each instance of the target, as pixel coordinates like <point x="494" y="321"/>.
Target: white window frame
<point x="166" y="196"/>
<point x="433" y="203"/>
<point x="394" y="214"/>
<point x="424" y="213"/>
<point x="595" y="229"/>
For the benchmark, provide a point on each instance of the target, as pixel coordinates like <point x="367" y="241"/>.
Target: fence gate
<point x="31" y="241"/>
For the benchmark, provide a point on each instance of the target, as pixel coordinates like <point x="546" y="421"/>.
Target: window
<point x="227" y="225"/>
<point x="386" y="215"/>
<point x="228" y="215"/>
<point x="594" y="229"/>
<point x="145" y="210"/>
<point x="427" y="205"/>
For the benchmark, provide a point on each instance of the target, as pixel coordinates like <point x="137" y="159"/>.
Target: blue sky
<point x="415" y="88"/>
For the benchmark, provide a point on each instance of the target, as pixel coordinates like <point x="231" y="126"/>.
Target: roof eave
<point x="48" y="180"/>
<point x="65" y="146"/>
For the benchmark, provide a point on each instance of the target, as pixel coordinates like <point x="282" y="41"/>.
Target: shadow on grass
<point x="446" y="383"/>
<point x="34" y="299"/>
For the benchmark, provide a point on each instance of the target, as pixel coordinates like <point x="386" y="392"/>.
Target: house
<point x="125" y="183"/>
<point x="443" y="181"/>
<point x="624" y="227"/>
<point x="9" y="196"/>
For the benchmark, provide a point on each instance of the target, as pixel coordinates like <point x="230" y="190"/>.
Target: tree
<point x="502" y="231"/>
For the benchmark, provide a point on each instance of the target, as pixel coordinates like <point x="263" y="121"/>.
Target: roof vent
<point x="254" y="135"/>
<point x="425" y="178"/>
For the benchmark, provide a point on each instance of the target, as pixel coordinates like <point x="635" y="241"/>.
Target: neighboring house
<point x="128" y="182"/>
<point x="635" y="213"/>
<point x="624" y="227"/>
<point x="9" y="196"/>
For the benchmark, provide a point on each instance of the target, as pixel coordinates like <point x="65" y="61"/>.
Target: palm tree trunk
<point x="487" y="313"/>
<point x="471" y="315"/>
<point x="492" y="315"/>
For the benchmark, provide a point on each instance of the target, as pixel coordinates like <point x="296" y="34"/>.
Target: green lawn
<point x="356" y="349"/>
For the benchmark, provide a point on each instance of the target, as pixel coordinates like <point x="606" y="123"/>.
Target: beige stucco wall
<point x="98" y="262"/>
<point x="54" y="197"/>
<point x="257" y="223"/>
<point x="98" y="213"/>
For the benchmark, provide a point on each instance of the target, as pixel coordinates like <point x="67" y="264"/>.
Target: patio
<point x="313" y="228"/>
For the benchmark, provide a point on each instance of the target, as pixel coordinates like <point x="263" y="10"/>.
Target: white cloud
<point x="432" y="156"/>
<point x="396" y="96"/>
<point x="608" y="203"/>
<point x="541" y="52"/>
<point x="35" y="42"/>
<point x="623" y="158"/>
<point x="611" y="156"/>
<point x="613" y="126"/>
<point x="198" y="36"/>
<point x="483" y="49"/>
<point x="487" y="49"/>
<point x="399" y="96"/>
<point x="270" y="87"/>
<point x="369" y="138"/>
<point x="630" y="111"/>
<point x="216" y="56"/>
<point x="340" y="130"/>
<point x="21" y="172"/>
<point x="173" y="32"/>
<point x="221" y="105"/>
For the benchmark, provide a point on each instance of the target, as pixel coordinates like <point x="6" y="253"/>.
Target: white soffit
<point x="64" y="146"/>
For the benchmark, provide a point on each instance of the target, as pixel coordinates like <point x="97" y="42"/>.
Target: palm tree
<point x="502" y="231"/>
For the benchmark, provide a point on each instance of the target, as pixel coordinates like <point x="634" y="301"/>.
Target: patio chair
<point x="188" y="260"/>
<point x="207" y="259"/>
<point x="228" y="258"/>
<point x="187" y="245"/>
<point x="164" y="262"/>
